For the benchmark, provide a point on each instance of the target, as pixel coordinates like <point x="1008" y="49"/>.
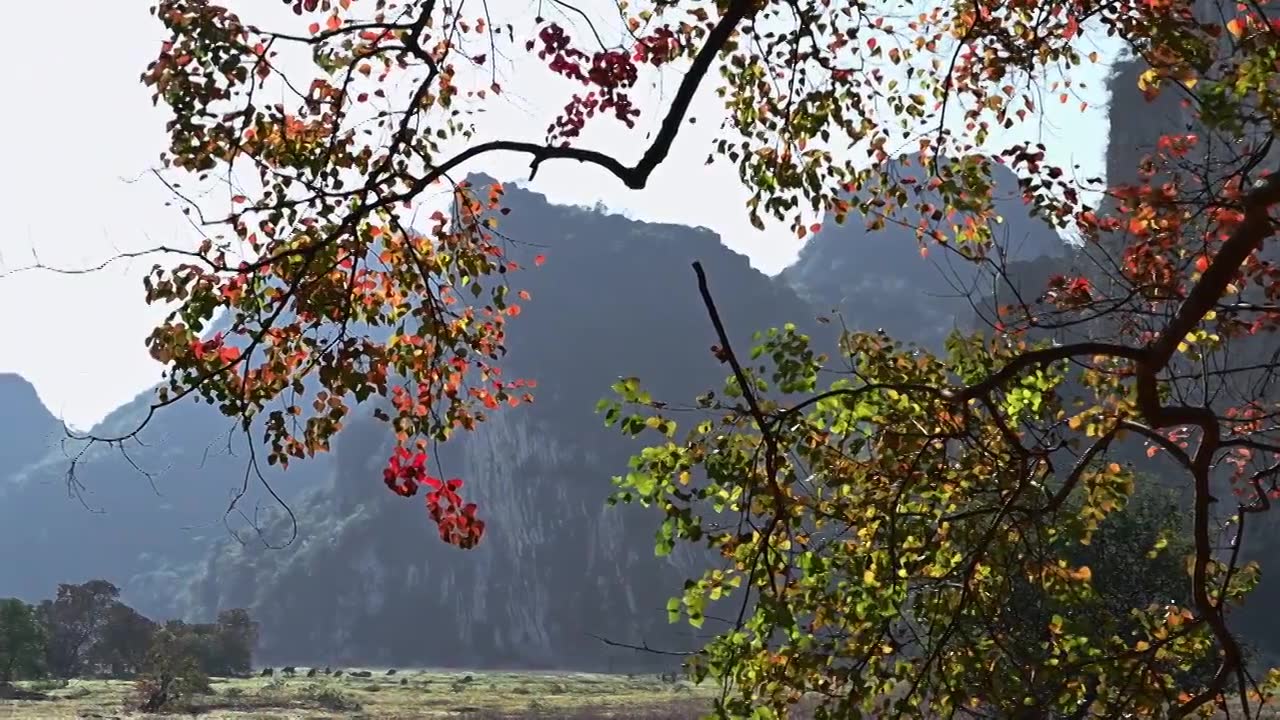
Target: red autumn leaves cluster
<point x="612" y="71"/>
<point x="1069" y="292"/>
<point x="457" y="522"/>
<point x="201" y="350"/>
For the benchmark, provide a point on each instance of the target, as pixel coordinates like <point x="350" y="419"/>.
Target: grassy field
<point x="407" y="694"/>
<point x="404" y="696"/>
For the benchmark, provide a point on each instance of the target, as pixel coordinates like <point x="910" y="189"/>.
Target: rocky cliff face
<point x="369" y="581"/>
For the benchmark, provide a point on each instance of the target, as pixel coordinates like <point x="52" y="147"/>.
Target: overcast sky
<point x="79" y="134"/>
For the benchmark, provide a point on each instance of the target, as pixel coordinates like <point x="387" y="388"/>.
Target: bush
<point x="48" y="684"/>
<point x="331" y="698"/>
<point x="171" y="673"/>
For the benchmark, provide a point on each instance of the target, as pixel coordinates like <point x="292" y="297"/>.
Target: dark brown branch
<point x="744" y="382"/>
<point x="1246" y="238"/>
<point x="643" y="647"/>
<point x="637" y="176"/>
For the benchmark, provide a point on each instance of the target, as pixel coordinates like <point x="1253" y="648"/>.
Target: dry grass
<point x="424" y="694"/>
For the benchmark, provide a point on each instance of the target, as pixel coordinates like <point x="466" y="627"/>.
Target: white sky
<point x="80" y="133"/>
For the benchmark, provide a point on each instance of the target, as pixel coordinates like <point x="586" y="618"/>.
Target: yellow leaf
<point x="1148" y="80"/>
<point x="1186" y="75"/>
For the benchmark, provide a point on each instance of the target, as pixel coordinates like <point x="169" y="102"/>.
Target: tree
<point x="1137" y="559"/>
<point x="237" y="638"/>
<point x="171" y="672"/>
<point x="123" y="642"/>
<point x="74" y="622"/>
<point x="872" y="524"/>
<point x="21" y="641"/>
<point x="221" y="649"/>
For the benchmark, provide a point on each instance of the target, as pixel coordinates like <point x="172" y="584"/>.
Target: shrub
<point x="48" y="684"/>
<point x="171" y="673"/>
<point x="331" y="698"/>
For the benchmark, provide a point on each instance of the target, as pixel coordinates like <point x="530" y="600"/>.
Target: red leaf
<point x="1072" y="28"/>
<point x="537" y="261"/>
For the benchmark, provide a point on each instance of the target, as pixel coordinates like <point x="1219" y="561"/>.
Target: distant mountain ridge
<point x="30" y="429"/>
<point x="881" y="280"/>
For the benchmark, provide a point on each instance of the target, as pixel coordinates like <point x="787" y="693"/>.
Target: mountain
<point x="880" y="279"/>
<point x="27" y="428"/>
<point x="369" y="580"/>
<point x="133" y="511"/>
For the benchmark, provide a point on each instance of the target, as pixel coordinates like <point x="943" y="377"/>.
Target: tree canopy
<point x="21" y="640"/>
<point x="872" y="507"/>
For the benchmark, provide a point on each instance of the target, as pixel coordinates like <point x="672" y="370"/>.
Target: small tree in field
<point x="21" y="641"/>
<point x="874" y="508"/>
<point x="171" y="672"/>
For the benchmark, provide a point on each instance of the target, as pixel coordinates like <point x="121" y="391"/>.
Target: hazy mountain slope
<point x="134" y="516"/>
<point x="27" y="428"/>
<point x="878" y="279"/>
